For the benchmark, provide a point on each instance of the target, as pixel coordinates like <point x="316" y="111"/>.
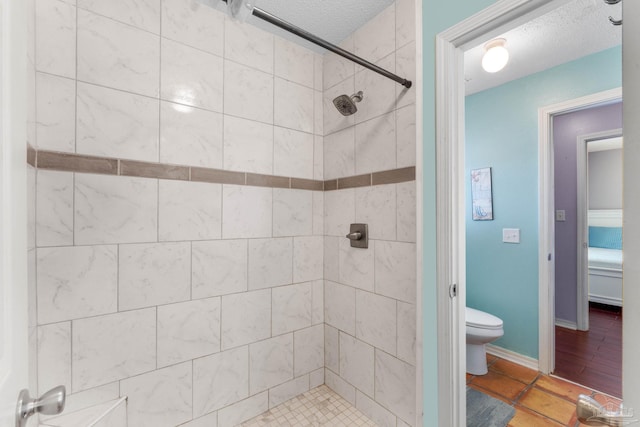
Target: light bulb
<point x="496" y="56"/>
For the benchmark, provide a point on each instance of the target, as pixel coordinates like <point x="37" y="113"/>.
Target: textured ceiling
<point x="332" y="20"/>
<point x="575" y="29"/>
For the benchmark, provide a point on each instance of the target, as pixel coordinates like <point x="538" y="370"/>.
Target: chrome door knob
<point x="50" y="403"/>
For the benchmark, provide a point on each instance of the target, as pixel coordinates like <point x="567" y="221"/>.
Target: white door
<point x="13" y="209"/>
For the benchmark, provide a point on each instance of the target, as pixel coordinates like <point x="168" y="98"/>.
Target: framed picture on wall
<point x="481" y="195"/>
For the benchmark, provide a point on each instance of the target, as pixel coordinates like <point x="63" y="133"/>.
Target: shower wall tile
<point x="54" y="208"/>
<point x="117" y="55"/>
<point x="375" y="144"/>
<point x="375" y="412"/>
<point x="270" y="363"/>
<point x="220" y="380"/>
<point x="406" y="218"/>
<point x="406" y="136"/>
<point x="189" y="210"/>
<point x="248" y="93"/>
<point x="54" y="356"/>
<point x="193" y="24"/>
<point x="317" y="302"/>
<point x="377" y="38"/>
<point x="308" y="351"/>
<point x="270" y="262"/>
<point x="292" y="212"/>
<point x="357" y="363"/>
<point x="191" y="76"/>
<point x="379" y="91"/>
<point x="293" y="106"/>
<point x="56" y="38"/>
<point x="111" y="209"/>
<point x="405" y="22"/>
<point x="339" y="211"/>
<point x="336" y="68"/>
<point x="293" y="153"/>
<point x="318" y="213"/>
<point x="117" y="124"/>
<point x="395" y="270"/>
<point x="376" y="206"/>
<point x="294" y="62"/>
<point x="340" y="154"/>
<point x="340" y="386"/>
<point x="307" y="258"/>
<point x="190" y="136"/>
<point x="239" y="208"/>
<point x="288" y="390"/>
<point x="76" y="281"/>
<point x="248" y="146"/>
<point x="160" y="398"/>
<point x="55" y="113"/>
<point x="87" y="398"/>
<point x="234" y="414"/>
<point x="407" y="332"/>
<point x="209" y="420"/>
<point x="144" y="14"/>
<point x="246" y="318"/>
<point x="406" y="67"/>
<point x="331" y="348"/>
<point x="332" y="119"/>
<point x="248" y="45"/>
<point x="340" y="307"/>
<point x="376" y="320"/>
<point x="318" y="65"/>
<point x="331" y="258"/>
<point x="357" y="265"/>
<point x="113" y="347"/>
<point x="188" y="330"/>
<point x="395" y="386"/>
<point x="291" y="308"/>
<point x="318" y="105"/>
<point x="153" y="274"/>
<point x="218" y="268"/>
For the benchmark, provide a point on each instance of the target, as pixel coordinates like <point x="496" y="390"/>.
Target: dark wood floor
<point x="593" y="358"/>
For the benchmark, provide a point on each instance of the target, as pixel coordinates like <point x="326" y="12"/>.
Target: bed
<point x="605" y="256"/>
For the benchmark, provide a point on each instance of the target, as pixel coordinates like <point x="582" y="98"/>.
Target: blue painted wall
<point x="502" y="132"/>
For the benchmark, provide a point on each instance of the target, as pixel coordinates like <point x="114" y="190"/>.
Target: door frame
<point x="582" y="180"/>
<point x="546" y="218"/>
<point x="450" y="191"/>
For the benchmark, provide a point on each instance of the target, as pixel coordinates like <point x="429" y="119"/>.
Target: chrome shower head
<point x="346" y="104"/>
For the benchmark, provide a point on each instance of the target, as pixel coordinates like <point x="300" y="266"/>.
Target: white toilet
<point x="482" y="328"/>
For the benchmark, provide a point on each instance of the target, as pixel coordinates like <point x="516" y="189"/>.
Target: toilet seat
<point x="481" y="320"/>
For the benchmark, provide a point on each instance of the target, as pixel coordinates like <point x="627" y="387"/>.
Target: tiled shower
<point x="192" y="185"/>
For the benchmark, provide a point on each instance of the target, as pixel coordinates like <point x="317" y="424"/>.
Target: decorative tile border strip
<point x="71" y="162"/>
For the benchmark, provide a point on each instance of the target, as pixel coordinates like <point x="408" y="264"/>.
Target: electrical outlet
<point x="561" y="215"/>
<point x="511" y="235"/>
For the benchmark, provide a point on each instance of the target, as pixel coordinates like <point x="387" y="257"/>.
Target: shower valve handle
<point x="356" y="235"/>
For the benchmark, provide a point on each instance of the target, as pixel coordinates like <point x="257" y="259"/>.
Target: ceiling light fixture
<point x="495" y="56"/>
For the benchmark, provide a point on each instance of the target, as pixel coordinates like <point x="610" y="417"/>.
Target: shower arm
<point x="274" y="20"/>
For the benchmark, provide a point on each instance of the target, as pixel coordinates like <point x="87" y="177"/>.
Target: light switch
<point x="560" y="215"/>
<point x="511" y="235"/>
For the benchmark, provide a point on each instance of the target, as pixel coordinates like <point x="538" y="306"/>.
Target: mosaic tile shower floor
<point x="320" y="406"/>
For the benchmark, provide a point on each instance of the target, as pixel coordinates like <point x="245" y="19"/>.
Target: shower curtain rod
<point x="274" y="20"/>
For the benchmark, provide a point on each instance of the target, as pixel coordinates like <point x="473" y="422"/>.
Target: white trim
<point x="512" y="356"/>
<point x="566" y="324"/>
<point x="546" y="242"/>
<point x="418" y="88"/>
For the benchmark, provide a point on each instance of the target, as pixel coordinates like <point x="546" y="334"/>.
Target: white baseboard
<point x="512" y="356"/>
<point x="566" y="324"/>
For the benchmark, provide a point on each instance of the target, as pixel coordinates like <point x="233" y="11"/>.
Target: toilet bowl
<point x="482" y="328"/>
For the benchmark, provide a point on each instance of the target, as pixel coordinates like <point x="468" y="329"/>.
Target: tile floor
<point x="539" y="400"/>
<point x="320" y="406"/>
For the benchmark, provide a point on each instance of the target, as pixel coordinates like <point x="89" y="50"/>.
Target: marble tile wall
<point x="203" y="302"/>
<point x="370" y="294"/>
